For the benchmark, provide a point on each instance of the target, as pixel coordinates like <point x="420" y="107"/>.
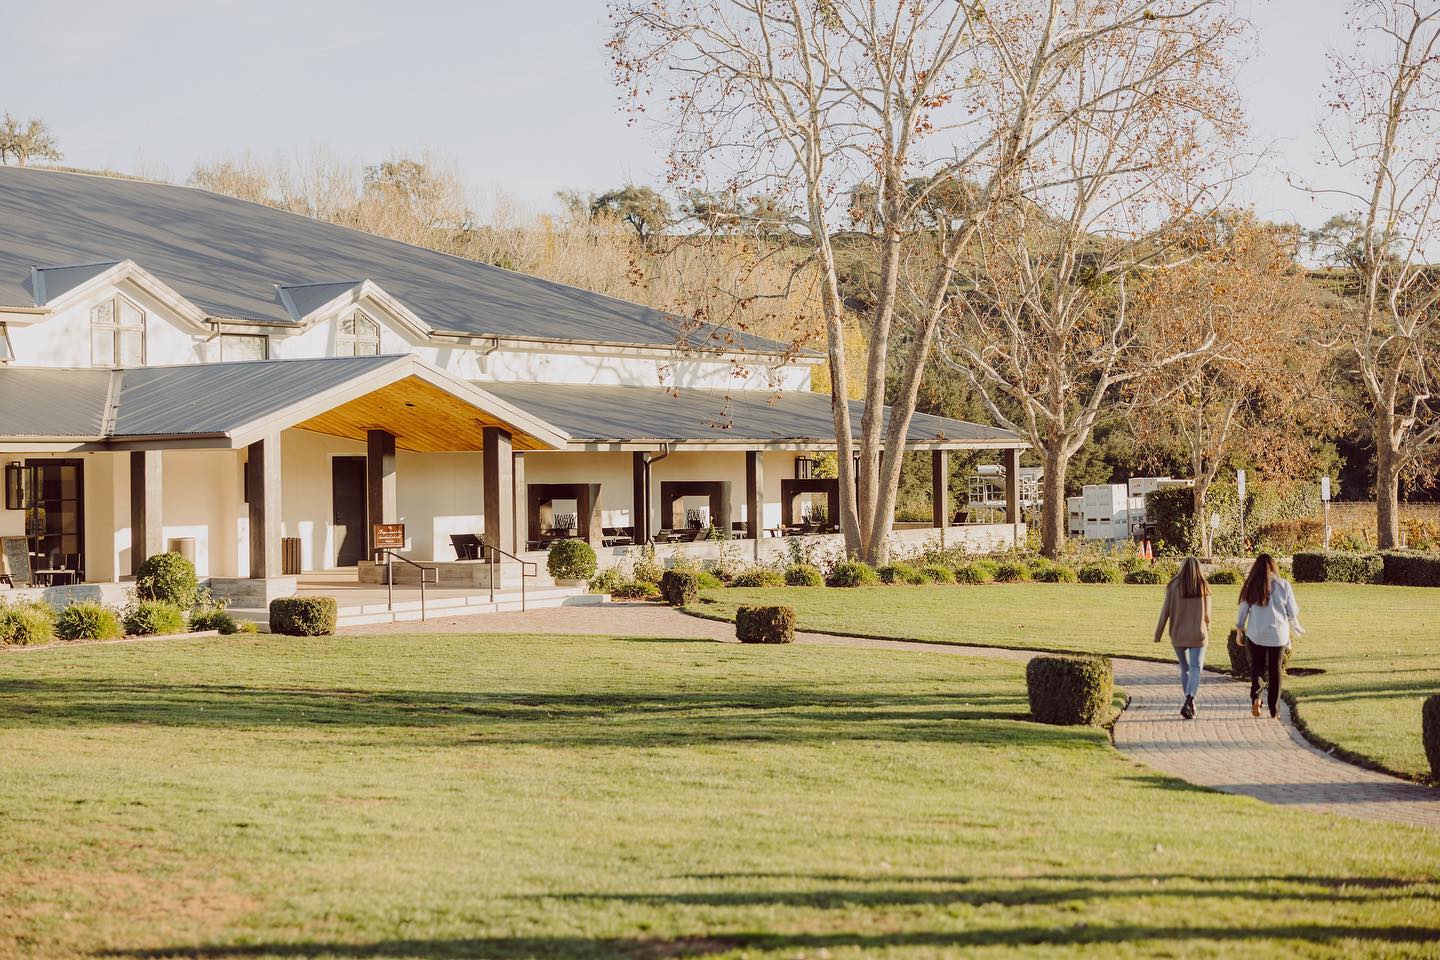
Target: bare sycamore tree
<point x="23" y="141"/>
<point x="1043" y="324"/>
<point x="928" y="114"/>
<point x="1385" y="130"/>
<point x="1254" y="396"/>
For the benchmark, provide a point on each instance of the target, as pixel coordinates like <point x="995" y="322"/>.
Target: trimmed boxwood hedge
<point x="1408" y="569"/>
<point x="571" y="560"/>
<point x="1240" y="656"/>
<point x="765" y="624"/>
<point x="1338" y="567"/>
<point x="1430" y="733"/>
<point x="1070" y="690"/>
<point x="804" y="575"/>
<point x="303" y="616"/>
<point x="679" y="587"/>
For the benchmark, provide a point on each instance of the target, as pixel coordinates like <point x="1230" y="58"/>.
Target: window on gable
<point x="117" y="334"/>
<point x="357" y="336"/>
<point x="244" y="346"/>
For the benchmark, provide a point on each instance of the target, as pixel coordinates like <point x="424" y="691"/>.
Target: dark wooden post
<point x="1012" y="486"/>
<point x="940" y="490"/>
<point x="262" y="480"/>
<point x="147" y="526"/>
<point x="755" y="496"/>
<point x="499" y="482"/>
<point x="640" y="496"/>
<point x="379" y="482"/>
<point x="518" y="508"/>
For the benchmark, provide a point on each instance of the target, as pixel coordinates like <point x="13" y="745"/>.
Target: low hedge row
<point x="679" y="587"/>
<point x="1071" y="690"/>
<point x="1397" y="567"/>
<point x="303" y="616"/>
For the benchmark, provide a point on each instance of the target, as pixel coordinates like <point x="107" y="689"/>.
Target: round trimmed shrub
<point x="976" y="572"/>
<point x="937" y="574"/>
<point x="168" y="577"/>
<point x="765" y="624"/>
<point x="1102" y="572"/>
<point x="1056" y="573"/>
<point x="1239" y="652"/>
<point x="152" y="618"/>
<point x="1225" y="576"/>
<point x="26" y="623"/>
<point x="1070" y="690"/>
<point x="571" y="560"/>
<point x="1430" y="733"/>
<point x="88" y="620"/>
<point x="1146" y="575"/>
<point x="1012" y="571"/>
<point x="804" y="575"/>
<point x="758" y="577"/>
<point x="635" y="590"/>
<point x="852" y="573"/>
<point x="679" y="587"/>
<point x="304" y="616"/>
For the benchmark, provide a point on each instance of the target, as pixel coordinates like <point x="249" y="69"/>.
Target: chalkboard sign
<point x="15" y="552"/>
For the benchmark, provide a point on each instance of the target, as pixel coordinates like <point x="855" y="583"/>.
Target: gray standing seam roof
<point x="620" y="414"/>
<point x="227" y="256"/>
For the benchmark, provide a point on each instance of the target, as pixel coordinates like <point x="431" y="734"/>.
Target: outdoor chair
<point x="467" y="546"/>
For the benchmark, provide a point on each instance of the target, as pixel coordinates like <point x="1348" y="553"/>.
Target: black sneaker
<point x="1188" y="710"/>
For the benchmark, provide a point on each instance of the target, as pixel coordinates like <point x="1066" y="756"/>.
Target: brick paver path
<point x="1224" y="748"/>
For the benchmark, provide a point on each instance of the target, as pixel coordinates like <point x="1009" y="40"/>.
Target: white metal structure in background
<point x="987" y="487"/>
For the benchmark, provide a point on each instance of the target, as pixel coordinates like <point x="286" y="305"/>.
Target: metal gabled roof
<point x="41" y="402"/>
<point x="619" y="414"/>
<point x="227" y="257"/>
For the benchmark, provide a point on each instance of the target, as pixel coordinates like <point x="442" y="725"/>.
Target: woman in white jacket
<point x="1268" y="610"/>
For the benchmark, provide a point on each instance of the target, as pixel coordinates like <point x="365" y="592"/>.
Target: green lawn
<point x="1379" y="646"/>
<point x="514" y="797"/>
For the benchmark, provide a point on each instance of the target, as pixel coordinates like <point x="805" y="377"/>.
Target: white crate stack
<point x="1075" y="508"/>
<point x="1107" y="511"/>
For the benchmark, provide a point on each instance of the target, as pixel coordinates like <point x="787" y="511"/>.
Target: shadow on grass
<point x="780" y="712"/>
<point x="789" y="945"/>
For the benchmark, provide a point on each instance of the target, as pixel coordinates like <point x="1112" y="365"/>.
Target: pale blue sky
<point x="515" y="95"/>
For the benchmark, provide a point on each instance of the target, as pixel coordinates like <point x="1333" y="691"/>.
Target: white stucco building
<point x="176" y="365"/>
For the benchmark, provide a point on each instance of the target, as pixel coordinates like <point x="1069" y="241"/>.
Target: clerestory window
<point x="117" y="334"/>
<point x="357" y="336"/>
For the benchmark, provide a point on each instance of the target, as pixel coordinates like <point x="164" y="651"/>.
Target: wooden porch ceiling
<point x="423" y="417"/>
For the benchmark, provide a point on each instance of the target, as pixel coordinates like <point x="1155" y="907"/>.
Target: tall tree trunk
<point x="1387" y="491"/>
<point x="1054" y="517"/>
<point x="1199" y="495"/>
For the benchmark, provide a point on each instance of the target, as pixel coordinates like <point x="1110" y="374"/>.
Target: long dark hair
<point x="1191" y="580"/>
<point x="1263" y="571"/>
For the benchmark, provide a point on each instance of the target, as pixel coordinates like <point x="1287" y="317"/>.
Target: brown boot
<point x="1254" y="706"/>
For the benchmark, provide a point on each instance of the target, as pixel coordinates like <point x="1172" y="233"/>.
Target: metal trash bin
<point x="185" y="546"/>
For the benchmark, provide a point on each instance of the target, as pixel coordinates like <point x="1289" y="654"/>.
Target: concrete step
<point x="408" y="610"/>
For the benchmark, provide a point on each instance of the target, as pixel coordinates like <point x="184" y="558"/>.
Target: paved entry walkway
<point x="1224" y="748"/>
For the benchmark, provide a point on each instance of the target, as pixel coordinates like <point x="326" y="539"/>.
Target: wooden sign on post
<point x="389" y="536"/>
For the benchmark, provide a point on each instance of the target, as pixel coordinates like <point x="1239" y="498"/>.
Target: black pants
<point x="1265" y="660"/>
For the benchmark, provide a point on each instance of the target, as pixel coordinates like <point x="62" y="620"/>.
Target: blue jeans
<point x="1192" y="661"/>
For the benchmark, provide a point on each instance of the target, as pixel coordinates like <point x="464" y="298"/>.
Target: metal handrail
<point x="528" y="569"/>
<point x="390" y="558"/>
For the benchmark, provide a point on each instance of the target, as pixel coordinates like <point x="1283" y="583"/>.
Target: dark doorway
<point x="347" y="496"/>
<point x="55" y="515"/>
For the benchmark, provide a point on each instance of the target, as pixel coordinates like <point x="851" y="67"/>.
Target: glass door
<point x="55" y="515"/>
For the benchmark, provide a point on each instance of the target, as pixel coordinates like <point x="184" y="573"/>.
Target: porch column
<point x="1012" y="486"/>
<point x="379" y="483"/>
<point x="262" y="480"/>
<point x="940" y="490"/>
<point x="755" y="496"/>
<point x="499" y="482"/>
<point x="147" y="527"/>
<point x="518" y="505"/>
<point x="640" y="496"/>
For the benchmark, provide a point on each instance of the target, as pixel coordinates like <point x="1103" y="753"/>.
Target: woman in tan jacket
<point x="1187" y="610"/>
